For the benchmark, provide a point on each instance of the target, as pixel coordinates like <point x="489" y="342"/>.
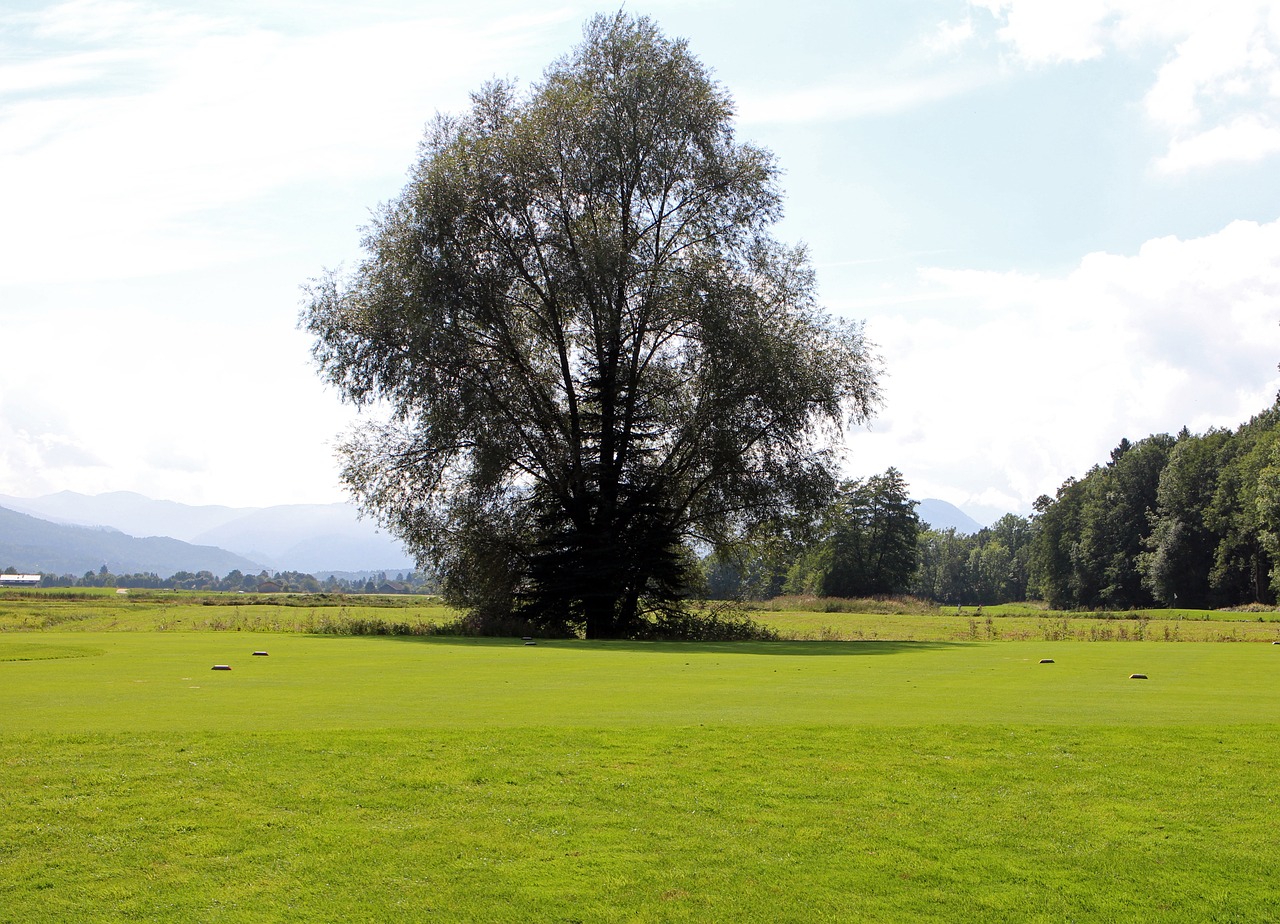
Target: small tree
<point x="593" y="353"/>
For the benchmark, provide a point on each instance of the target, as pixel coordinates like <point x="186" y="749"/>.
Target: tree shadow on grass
<point x="783" y="648"/>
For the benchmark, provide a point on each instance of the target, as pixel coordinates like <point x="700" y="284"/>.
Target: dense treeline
<point x="989" y="566"/>
<point x="870" y="542"/>
<point x="866" y="542"/>
<point x="1187" y="521"/>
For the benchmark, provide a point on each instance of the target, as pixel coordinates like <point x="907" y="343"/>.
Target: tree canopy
<point x="868" y="543"/>
<point x="1187" y="521"/>
<point x="593" y="355"/>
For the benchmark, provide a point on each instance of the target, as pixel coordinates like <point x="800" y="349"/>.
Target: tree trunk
<point x="601" y="611"/>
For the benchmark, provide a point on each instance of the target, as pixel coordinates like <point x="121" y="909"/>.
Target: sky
<point x="1060" y="222"/>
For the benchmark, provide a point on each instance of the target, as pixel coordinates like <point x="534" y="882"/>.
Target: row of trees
<point x="870" y="542"/>
<point x="594" y="358"/>
<point x="1178" y="521"/>
<point x="281" y="581"/>
<point x="866" y="542"/>
<point x="992" y="565"/>
<point x="1188" y="521"/>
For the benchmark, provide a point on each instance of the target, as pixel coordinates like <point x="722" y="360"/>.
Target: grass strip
<point x="647" y="823"/>
<point x="164" y="682"/>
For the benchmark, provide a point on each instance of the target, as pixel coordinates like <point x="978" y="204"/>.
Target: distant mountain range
<point x="941" y="515"/>
<point x="70" y="533"/>
<point x="32" y="545"/>
<point x="311" y="538"/>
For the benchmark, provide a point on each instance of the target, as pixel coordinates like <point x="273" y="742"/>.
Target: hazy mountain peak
<point x="943" y="515"/>
<point x="288" y="537"/>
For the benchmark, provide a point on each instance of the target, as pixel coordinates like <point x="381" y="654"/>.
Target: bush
<point x="884" y="605"/>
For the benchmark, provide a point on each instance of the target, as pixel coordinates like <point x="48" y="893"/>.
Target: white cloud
<point x="1247" y="139"/>
<point x="107" y="20"/>
<point x="1004" y="384"/>
<point x="949" y="37"/>
<point x="35" y="447"/>
<point x="1217" y="91"/>
<point x="139" y="120"/>
<point x="849" y="98"/>
<point x="1051" y="32"/>
<point x="198" y="410"/>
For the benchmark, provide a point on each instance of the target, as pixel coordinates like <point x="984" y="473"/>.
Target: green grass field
<point x="416" y="779"/>
<point x="802" y="619"/>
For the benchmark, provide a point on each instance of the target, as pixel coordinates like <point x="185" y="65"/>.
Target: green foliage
<point x="1267" y="509"/>
<point x="283" y="581"/>
<point x="593" y="353"/>
<point x="330" y="614"/>
<point x="1088" y="541"/>
<point x="815" y="604"/>
<point x="1182" y="541"/>
<point x="990" y="566"/>
<point x="708" y="623"/>
<point x="867" y="543"/>
<point x="1187" y="521"/>
<point x="754" y="566"/>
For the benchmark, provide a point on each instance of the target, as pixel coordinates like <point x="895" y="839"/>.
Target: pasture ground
<point x="800" y="619"/>
<point x="380" y="778"/>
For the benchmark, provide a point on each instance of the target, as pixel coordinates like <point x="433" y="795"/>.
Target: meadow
<point x="792" y="619"/>
<point x="417" y="777"/>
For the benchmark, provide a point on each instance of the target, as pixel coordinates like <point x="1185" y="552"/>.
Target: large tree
<point x="592" y="353"/>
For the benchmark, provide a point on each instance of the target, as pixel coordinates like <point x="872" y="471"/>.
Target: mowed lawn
<point x="385" y="779"/>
